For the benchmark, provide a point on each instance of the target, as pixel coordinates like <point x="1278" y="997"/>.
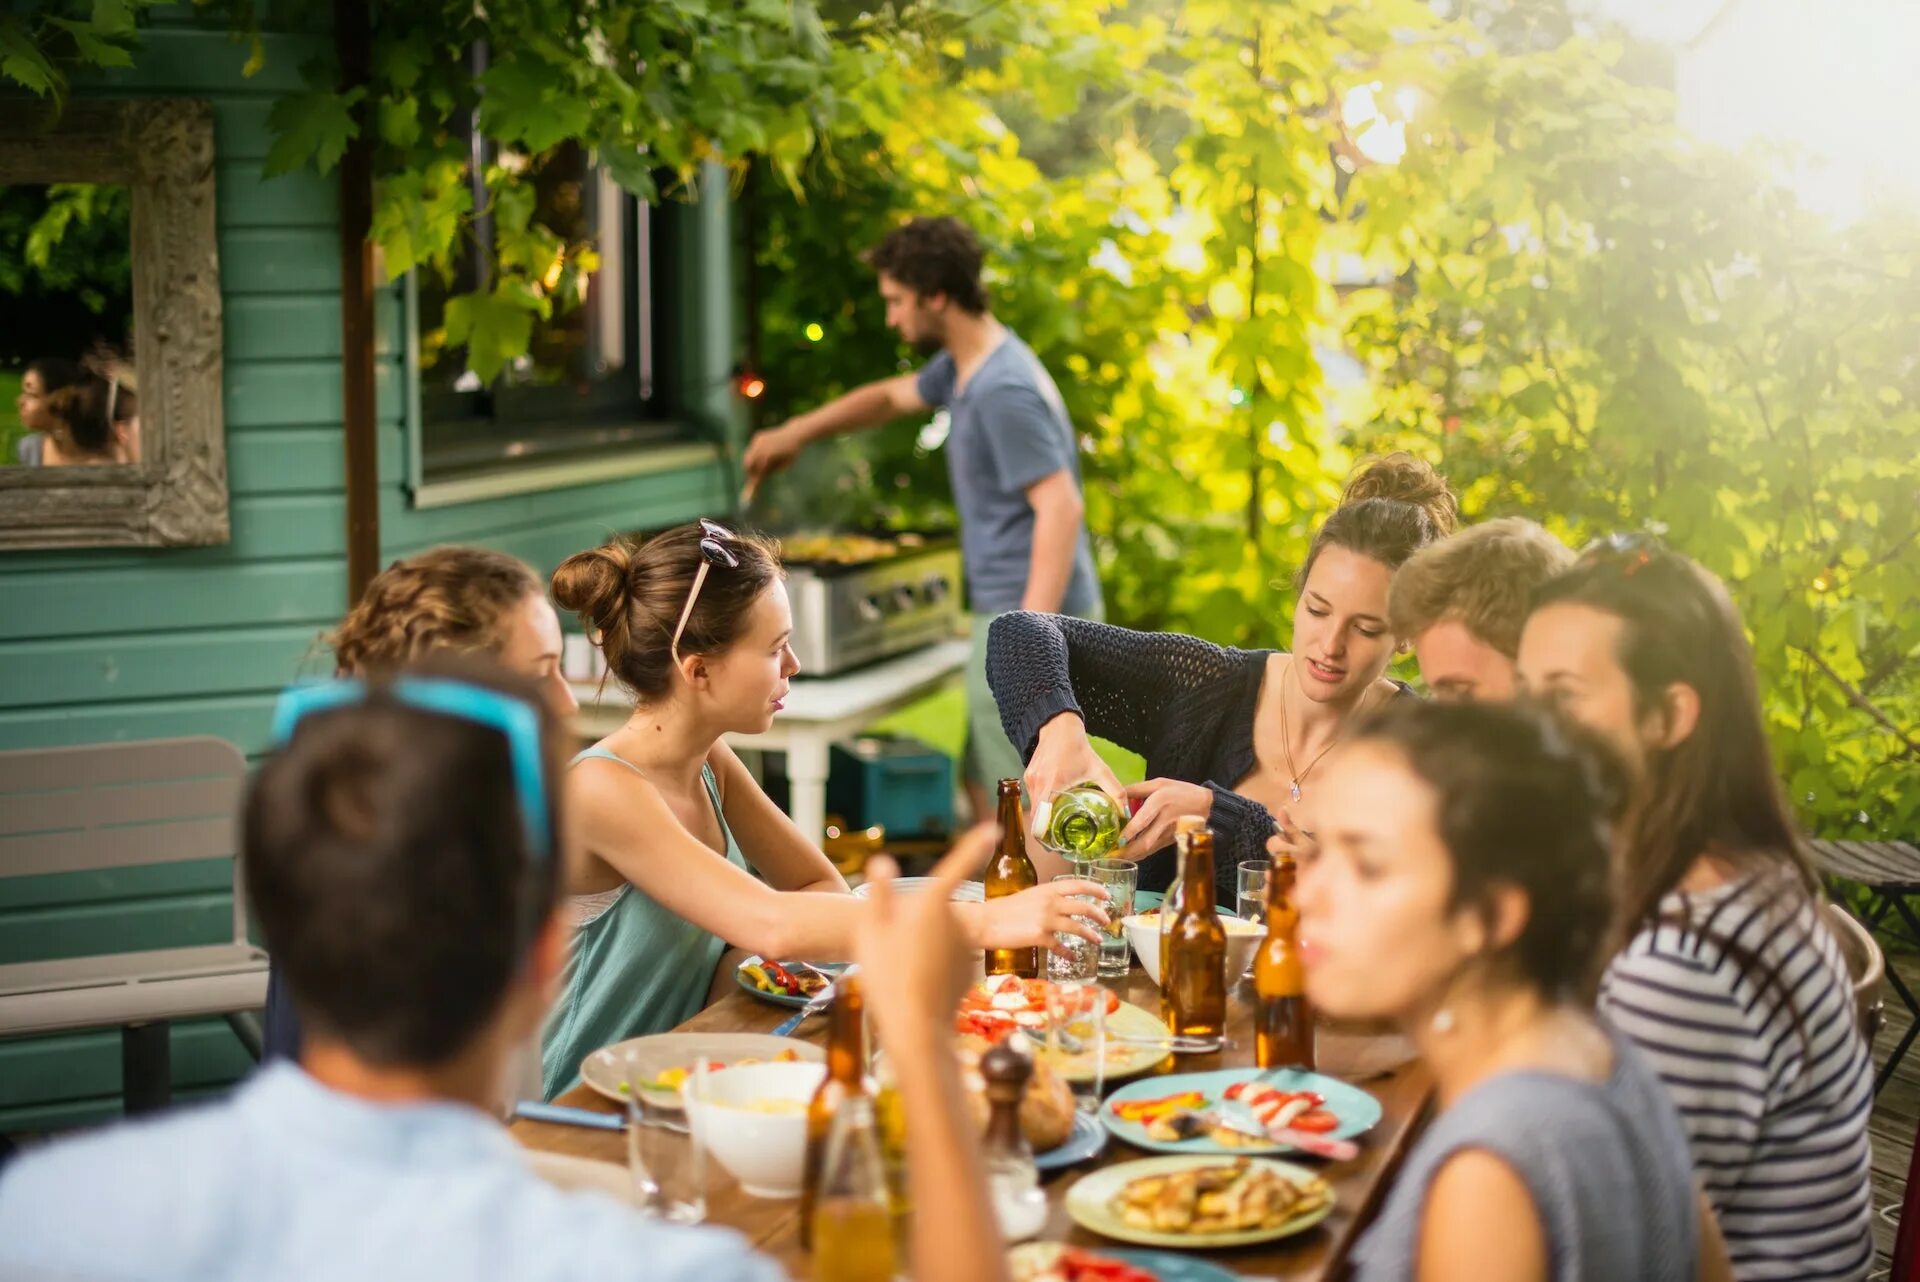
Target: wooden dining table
<point x="1380" y="1063"/>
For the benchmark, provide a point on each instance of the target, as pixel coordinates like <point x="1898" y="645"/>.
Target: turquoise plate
<point x="779" y="999"/>
<point x="1085" y="1140"/>
<point x="1358" y="1111"/>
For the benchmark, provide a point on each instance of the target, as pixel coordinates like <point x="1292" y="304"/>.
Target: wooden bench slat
<point x="131" y="847"/>
<point x="54" y="769"/>
<point x="121" y="806"/>
<point x="127" y="968"/>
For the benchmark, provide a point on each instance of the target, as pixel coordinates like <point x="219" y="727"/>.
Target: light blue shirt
<point x="292" y="1182"/>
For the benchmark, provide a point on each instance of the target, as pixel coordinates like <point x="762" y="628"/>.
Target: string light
<point x="752" y="386"/>
<point x="815" y="333"/>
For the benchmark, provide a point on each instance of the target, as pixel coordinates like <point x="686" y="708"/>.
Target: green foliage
<point x="1583" y="316"/>
<point x="37" y="49"/>
<point x="1602" y="324"/>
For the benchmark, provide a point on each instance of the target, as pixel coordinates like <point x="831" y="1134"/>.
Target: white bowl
<point x="765" y="1151"/>
<point x="1243" y="937"/>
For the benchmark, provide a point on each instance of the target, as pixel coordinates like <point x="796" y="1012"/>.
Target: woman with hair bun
<point x="1232" y="735"/>
<point x="695" y="623"/>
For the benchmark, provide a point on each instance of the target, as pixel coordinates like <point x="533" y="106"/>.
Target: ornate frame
<point x="162" y="149"/>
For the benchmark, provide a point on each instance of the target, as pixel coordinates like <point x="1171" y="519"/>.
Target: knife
<point x="562" y="1115"/>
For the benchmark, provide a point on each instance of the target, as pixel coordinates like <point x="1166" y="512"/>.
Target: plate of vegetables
<point x="659" y="1065"/>
<point x="1183" y="1113"/>
<point x="998" y="1005"/>
<point x="792" y="983"/>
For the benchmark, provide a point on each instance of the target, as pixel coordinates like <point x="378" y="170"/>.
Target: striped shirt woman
<point x="1739" y="997"/>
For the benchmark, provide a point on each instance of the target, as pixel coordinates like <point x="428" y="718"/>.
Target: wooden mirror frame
<point x="161" y="149"/>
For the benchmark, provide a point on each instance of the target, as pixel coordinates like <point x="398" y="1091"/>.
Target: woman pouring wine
<point x="1232" y="735"/>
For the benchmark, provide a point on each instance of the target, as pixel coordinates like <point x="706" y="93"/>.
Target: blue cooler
<point x="893" y="782"/>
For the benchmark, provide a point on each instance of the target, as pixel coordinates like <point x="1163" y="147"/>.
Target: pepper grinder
<point x="1013" y="1182"/>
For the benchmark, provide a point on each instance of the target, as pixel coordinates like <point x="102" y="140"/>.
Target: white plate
<point x="605" y="1070"/>
<point x="965" y="892"/>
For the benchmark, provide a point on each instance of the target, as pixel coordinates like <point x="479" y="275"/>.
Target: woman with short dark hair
<point x="1461" y="891"/>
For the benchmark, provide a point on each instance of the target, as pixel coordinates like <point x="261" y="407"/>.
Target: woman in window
<point x="1725" y="975"/>
<point x="695" y="624"/>
<point x="1238" y="736"/>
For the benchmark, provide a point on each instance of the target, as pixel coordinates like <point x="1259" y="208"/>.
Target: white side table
<point x="817" y="712"/>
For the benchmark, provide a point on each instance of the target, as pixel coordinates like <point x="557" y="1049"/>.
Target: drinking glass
<point x="1077" y="1029"/>
<point x="1081" y="959"/>
<point x="1252" y="906"/>
<point x="1121" y="877"/>
<point x="665" y="1158"/>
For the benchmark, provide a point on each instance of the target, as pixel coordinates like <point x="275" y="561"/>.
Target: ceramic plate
<point x="779" y="999"/>
<point x="605" y="1070"/>
<point x="1358" y="1111"/>
<point x="965" y="892"/>
<point x="1085" y="1140"/>
<point x="1090" y="1200"/>
<point x="1122" y="1061"/>
<point x="1164" y="1266"/>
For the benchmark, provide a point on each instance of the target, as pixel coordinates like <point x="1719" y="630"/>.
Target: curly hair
<point x="934" y="256"/>
<point x="1484" y="576"/>
<point x="449" y="598"/>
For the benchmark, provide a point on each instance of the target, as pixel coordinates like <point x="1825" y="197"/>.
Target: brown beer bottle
<point x="1008" y="873"/>
<point x="1183" y="828"/>
<point x="1282" y="1020"/>
<point x="1195" y="986"/>
<point x="846" y="1079"/>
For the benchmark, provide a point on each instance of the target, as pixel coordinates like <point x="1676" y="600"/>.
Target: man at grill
<point x="1011" y="454"/>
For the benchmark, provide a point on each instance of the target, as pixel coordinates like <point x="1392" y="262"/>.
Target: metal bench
<point x="1890" y="870"/>
<point x="126" y="805"/>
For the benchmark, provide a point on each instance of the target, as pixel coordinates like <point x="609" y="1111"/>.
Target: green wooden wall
<point x="120" y="644"/>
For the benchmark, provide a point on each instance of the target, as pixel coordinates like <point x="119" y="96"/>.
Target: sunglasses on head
<point x="513" y="718"/>
<point x="1631" y="551"/>
<point x="713" y="551"/>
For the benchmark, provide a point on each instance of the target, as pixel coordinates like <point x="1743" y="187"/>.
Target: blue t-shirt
<point x="1008" y="430"/>
<point x="292" y="1181"/>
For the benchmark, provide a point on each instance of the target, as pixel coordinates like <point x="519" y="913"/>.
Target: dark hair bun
<point x="1403" y="478"/>
<point x="594" y="585"/>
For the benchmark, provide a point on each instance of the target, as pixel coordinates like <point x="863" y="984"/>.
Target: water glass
<point x="1076" y="959"/>
<point x="665" y="1158"/>
<point x="1121" y="877"/>
<point x="1077" y="1029"/>
<point x="1255" y="874"/>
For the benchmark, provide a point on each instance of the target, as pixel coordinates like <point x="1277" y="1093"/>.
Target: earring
<point x="1442" y="1021"/>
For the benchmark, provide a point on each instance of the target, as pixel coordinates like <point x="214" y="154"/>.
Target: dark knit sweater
<point x="1184" y="704"/>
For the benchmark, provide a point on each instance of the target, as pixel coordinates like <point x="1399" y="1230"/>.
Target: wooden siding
<point x="120" y="644"/>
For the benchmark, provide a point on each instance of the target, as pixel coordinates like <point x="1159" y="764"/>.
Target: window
<point x="593" y="379"/>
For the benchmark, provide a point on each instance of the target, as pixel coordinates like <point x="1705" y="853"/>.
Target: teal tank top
<point x="637" y="968"/>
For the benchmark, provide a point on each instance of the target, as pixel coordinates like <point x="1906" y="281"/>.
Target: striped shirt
<point x="1775" y="1110"/>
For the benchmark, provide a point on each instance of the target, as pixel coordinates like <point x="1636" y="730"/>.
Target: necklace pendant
<point x="1293" y="786"/>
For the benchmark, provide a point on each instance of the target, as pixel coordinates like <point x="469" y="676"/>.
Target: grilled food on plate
<point x="1232" y="1197"/>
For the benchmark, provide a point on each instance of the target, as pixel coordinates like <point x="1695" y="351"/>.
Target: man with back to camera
<point x="1011" y="454"/>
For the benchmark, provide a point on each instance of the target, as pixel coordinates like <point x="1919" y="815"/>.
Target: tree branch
<point x="1910" y="745"/>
